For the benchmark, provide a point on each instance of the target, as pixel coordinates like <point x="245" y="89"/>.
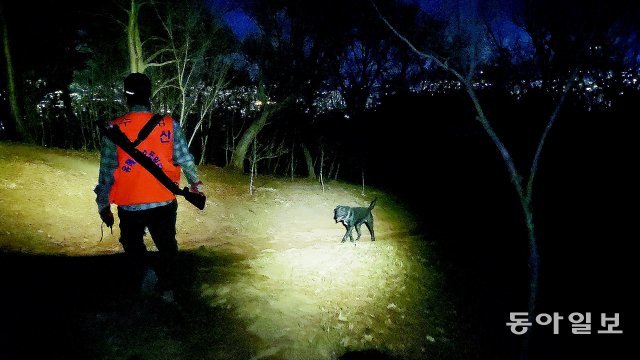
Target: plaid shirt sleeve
<point x="181" y="154"/>
<point x="108" y="164"/>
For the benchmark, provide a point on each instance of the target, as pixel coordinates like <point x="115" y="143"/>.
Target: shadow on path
<point x="88" y="307"/>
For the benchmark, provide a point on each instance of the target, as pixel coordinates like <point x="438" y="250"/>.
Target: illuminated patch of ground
<point x="318" y="301"/>
<point x="291" y="290"/>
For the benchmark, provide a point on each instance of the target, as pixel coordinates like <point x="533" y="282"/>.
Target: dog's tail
<point x="373" y="204"/>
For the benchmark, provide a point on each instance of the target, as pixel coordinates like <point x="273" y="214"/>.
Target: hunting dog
<point x="354" y="217"/>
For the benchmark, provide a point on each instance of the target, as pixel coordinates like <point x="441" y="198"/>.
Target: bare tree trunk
<point x="292" y="161"/>
<point x="136" y="60"/>
<point x="82" y="133"/>
<point x="42" y="129"/>
<point x="227" y="148"/>
<point x="335" y="177"/>
<point x="253" y="166"/>
<point x="233" y="139"/>
<point x="311" y="173"/>
<point x="362" y="181"/>
<point x="275" y="168"/>
<point x="331" y="167"/>
<point x="16" y="116"/>
<point x="524" y="194"/>
<point x="321" y="166"/>
<point x="238" y="156"/>
<point x="205" y="139"/>
<point x="269" y="161"/>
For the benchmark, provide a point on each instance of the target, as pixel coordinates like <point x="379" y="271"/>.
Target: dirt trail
<point x="267" y="275"/>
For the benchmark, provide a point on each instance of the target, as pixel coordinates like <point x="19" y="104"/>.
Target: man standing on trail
<point x="143" y="202"/>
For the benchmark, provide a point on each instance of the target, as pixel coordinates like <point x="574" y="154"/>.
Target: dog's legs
<point x="358" y="231"/>
<point x="370" y="227"/>
<point x="348" y="233"/>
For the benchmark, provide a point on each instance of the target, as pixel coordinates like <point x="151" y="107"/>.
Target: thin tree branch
<point x="161" y="64"/>
<point x="516" y="179"/>
<point x="543" y="138"/>
<point x="156" y="54"/>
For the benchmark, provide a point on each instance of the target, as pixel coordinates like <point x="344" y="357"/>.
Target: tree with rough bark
<point x="240" y="151"/>
<point x="308" y="159"/>
<point x="17" y="125"/>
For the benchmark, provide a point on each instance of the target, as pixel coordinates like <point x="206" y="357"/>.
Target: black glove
<point x="107" y="216"/>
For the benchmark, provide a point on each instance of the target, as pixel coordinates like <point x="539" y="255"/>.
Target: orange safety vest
<point x="133" y="184"/>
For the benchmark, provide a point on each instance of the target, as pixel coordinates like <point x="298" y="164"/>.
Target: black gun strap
<point x="114" y="133"/>
<point x="147" y="129"/>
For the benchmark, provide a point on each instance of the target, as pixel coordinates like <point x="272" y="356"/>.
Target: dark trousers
<point x="161" y="222"/>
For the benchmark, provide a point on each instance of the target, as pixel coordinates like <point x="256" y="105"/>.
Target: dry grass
<point x="293" y="286"/>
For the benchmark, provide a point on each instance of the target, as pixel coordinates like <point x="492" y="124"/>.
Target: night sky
<point x="456" y="13"/>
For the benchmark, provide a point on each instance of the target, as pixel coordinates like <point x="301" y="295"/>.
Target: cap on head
<point x="137" y="89"/>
